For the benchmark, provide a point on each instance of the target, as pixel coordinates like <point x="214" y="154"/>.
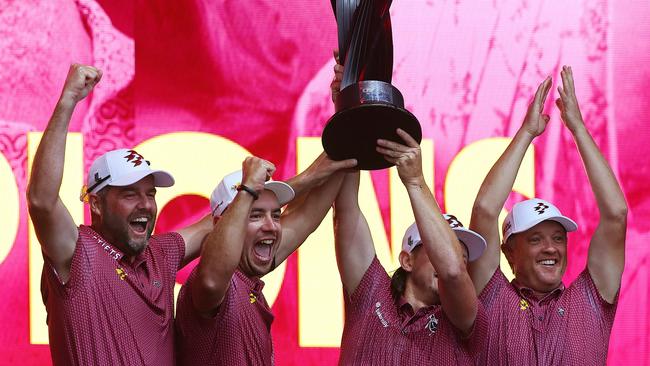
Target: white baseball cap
<point x="473" y="241"/>
<point x="121" y="167"/>
<point x="226" y="191"/>
<point x="529" y="213"/>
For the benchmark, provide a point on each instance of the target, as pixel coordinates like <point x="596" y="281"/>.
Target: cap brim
<point x="282" y="191"/>
<point x="474" y="242"/>
<point x="161" y="178"/>
<point x="568" y="224"/>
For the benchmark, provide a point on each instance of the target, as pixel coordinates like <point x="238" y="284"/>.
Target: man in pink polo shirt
<point x="223" y="317"/>
<point x="427" y="313"/>
<point x="536" y="320"/>
<point x="108" y="287"/>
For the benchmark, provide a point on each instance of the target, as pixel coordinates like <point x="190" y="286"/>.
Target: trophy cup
<point x="368" y="106"/>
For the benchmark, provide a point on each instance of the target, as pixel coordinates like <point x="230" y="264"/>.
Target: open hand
<point x="535" y="121"/>
<point x="407" y="158"/>
<point x="323" y="167"/>
<point x="567" y="102"/>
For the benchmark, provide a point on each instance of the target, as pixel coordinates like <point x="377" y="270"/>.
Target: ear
<point x="95" y="204"/>
<point x="406" y="261"/>
<point x="508" y="251"/>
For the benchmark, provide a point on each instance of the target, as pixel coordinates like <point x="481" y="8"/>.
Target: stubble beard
<point x="119" y="231"/>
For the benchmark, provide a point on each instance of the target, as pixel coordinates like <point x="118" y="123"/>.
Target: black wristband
<point x="248" y="190"/>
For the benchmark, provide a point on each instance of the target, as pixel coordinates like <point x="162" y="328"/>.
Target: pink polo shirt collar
<point x="117" y="254"/>
<point x="406" y="309"/>
<point x="529" y="294"/>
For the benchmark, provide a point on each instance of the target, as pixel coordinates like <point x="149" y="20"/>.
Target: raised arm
<point x="53" y="224"/>
<point x="194" y="236"/>
<point x="316" y="189"/>
<point x="497" y="186"/>
<point x="457" y="294"/>
<point x="353" y="242"/>
<point x="606" y="257"/>
<point x="223" y="247"/>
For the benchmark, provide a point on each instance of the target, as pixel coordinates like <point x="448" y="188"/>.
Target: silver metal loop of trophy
<point x="368" y="107"/>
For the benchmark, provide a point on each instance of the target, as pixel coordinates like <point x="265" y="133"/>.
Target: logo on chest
<point x="432" y="324"/>
<point x="380" y="315"/>
<point x="121" y="273"/>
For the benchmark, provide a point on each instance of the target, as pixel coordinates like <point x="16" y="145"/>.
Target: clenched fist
<point x="255" y="172"/>
<point x="80" y="81"/>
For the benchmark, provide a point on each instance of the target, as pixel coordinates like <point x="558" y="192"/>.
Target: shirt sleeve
<point x="489" y="296"/>
<point x="606" y="310"/>
<point x="189" y="321"/>
<point x="51" y="282"/>
<point x="477" y="340"/>
<point x="374" y="279"/>
<point x="173" y="247"/>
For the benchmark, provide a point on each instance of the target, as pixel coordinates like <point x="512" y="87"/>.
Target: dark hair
<point x="398" y="283"/>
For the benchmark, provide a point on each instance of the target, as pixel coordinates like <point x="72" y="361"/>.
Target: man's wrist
<point x="301" y="182"/>
<point x="417" y="182"/>
<point x="66" y="102"/>
<point x="526" y="133"/>
<point x="577" y="127"/>
<point x="249" y="190"/>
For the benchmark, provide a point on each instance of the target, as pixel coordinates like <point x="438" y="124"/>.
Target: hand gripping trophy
<point x="368" y="106"/>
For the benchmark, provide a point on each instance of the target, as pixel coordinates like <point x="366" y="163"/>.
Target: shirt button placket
<point x="537" y="318"/>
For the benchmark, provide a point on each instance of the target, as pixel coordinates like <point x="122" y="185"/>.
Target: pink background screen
<point x="257" y="73"/>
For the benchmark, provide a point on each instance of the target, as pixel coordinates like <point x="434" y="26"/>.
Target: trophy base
<point x="367" y="111"/>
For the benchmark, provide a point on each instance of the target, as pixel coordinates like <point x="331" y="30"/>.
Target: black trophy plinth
<point x="367" y="111"/>
<point x="368" y="107"/>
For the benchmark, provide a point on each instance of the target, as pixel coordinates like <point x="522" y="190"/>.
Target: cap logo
<point x="508" y="226"/>
<point x="98" y="181"/>
<point x="453" y="221"/>
<point x="234" y="186"/>
<point x="135" y="158"/>
<point x="410" y="242"/>
<point x="540" y="208"/>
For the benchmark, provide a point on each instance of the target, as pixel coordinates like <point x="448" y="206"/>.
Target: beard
<point x="117" y="229"/>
